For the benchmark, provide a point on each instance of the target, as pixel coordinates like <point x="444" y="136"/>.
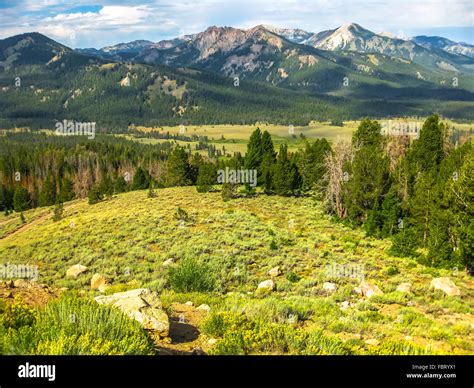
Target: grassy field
<point x="235" y="137"/>
<point x="128" y="238"/>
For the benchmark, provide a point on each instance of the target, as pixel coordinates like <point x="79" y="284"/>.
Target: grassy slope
<point x="128" y="238"/>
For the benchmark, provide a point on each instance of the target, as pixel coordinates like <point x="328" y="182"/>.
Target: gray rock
<point x="143" y="305"/>
<point x="404" y="287"/>
<point x="446" y="285"/>
<point x="369" y="290"/>
<point x="76" y="270"/>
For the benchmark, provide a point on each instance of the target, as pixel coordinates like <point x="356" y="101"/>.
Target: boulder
<point x="76" y="270"/>
<point x="330" y="287"/>
<point x="143" y="305"/>
<point x="446" y="285"/>
<point x="98" y="282"/>
<point x="369" y="290"/>
<point x="372" y="342"/>
<point x="274" y="272"/>
<point x="266" y="286"/>
<point x="204" y="307"/>
<point x="404" y="287"/>
<point x="21" y="283"/>
<point x="345" y="305"/>
<point x="168" y="262"/>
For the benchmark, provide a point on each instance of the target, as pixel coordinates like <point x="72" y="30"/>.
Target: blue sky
<point x="96" y="24"/>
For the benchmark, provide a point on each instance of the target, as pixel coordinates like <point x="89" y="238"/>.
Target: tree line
<point x="418" y="192"/>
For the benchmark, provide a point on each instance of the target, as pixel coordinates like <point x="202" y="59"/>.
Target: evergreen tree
<point x="95" y="194"/>
<point x="151" y="190"/>
<point x="47" y="196"/>
<point x="178" y="169"/>
<point x="107" y="186"/>
<point x="368" y="133"/>
<point x="207" y="177"/>
<point x="229" y="191"/>
<point x="283" y="174"/>
<point x="140" y="179"/>
<point x="369" y="182"/>
<point x="121" y="185"/>
<point x="428" y="151"/>
<point x="254" y="155"/>
<point x="66" y="191"/>
<point x="58" y="211"/>
<point x="21" y="199"/>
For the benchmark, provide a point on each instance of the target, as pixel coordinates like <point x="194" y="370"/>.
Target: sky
<point x="86" y="23"/>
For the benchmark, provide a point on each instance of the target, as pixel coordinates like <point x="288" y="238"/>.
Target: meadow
<point x="223" y="250"/>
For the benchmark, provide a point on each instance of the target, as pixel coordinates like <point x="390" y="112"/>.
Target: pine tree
<point x="254" y="155"/>
<point x="140" y="179"/>
<point x="66" y="191"/>
<point x="151" y="190"/>
<point x="121" y="185"/>
<point x="428" y="151"/>
<point x="206" y="178"/>
<point x="47" y="196"/>
<point x="283" y="178"/>
<point x="58" y="211"/>
<point x="21" y="199"/>
<point x="178" y="169"/>
<point x="95" y="194"/>
<point x="368" y="133"/>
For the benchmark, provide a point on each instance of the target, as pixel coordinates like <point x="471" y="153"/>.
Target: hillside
<point x="220" y="76"/>
<point x="131" y="238"/>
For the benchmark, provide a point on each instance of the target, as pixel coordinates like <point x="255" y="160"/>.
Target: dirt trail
<point x="184" y="337"/>
<point x="23" y="228"/>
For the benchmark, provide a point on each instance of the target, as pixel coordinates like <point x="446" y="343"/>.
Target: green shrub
<point x="75" y="326"/>
<point x="293" y="277"/>
<point x="400" y="348"/>
<point x="18" y="314"/>
<point x="392" y="270"/>
<point x="190" y="275"/>
<point x="237" y="334"/>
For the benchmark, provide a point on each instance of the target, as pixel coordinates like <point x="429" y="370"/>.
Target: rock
<point x="198" y="352"/>
<point x="168" y="262"/>
<point x="142" y="305"/>
<point x="372" y="342"/>
<point x="446" y="285"/>
<point x="212" y="341"/>
<point x="274" y="272"/>
<point x="22" y="283"/>
<point x="103" y="287"/>
<point x="404" y="287"/>
<point x="357" y="290"/>
<point x="76" y="270"/>
<point x="369" y="290"/>
<point x="98" y="281"/>
<point x="330" y="287"/>
<point x="189" y="303"/>
<point x="266" y="286"/>
<point x="344" y="305"/>
<point x="204" y="307"/>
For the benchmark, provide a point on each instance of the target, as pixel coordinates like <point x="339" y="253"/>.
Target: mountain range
<point x="226" y="74"/>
